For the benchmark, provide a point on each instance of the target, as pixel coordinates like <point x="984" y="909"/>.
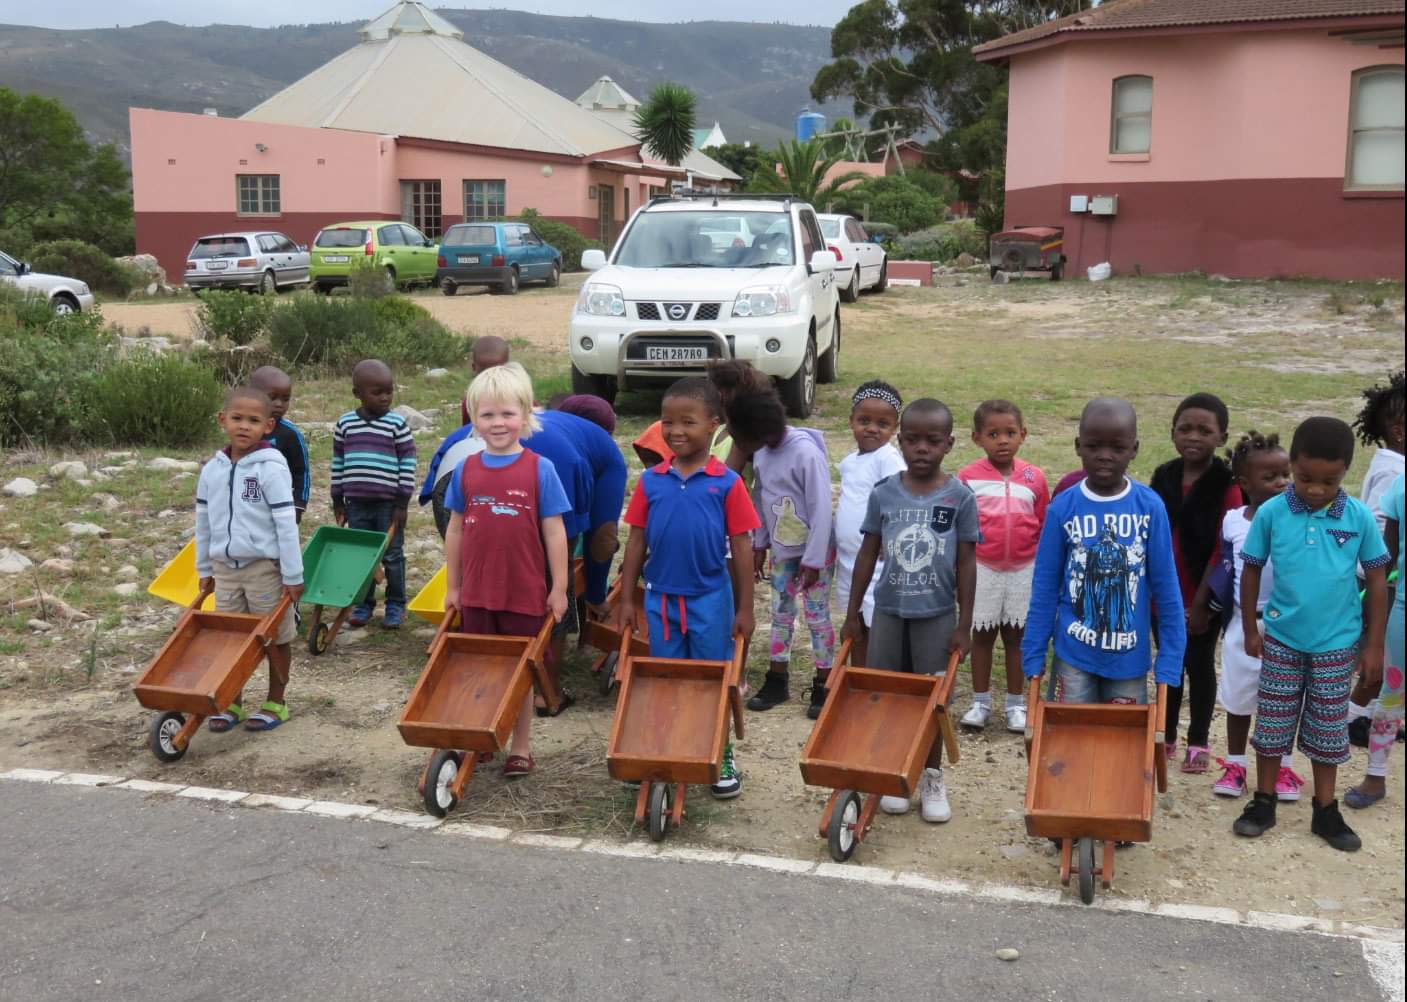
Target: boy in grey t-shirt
<point x="926" y="522"/>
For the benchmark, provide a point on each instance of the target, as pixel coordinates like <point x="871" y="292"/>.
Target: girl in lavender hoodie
<point x="793" y="494"/>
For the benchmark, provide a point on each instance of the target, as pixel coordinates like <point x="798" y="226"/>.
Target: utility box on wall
<point x="1104" y="205"/>
<point x="1079" y="203"/>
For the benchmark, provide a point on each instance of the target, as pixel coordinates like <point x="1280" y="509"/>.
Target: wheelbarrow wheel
<point x="845" y="819"/>
<point x="318" y="639"/>
<point x="1084" y="848"/>
<point x="606" y="677"/>
<point x="661" y="801"/>
<point x="162" y="736"/>
<point x="439" y="798"/>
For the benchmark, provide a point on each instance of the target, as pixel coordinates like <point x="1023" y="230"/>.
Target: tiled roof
<point x="1124" y="15"/>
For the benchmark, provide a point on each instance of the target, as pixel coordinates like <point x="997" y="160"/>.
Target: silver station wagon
<point x="260" y="260"/>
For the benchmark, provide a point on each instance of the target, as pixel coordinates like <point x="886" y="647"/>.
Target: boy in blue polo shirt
<point x="1315" y="535"/>
<point x="683" y="513"/>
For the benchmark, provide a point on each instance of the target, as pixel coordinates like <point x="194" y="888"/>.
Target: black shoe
<point x="1329" y="825"/>
<point x="1258" y="816"/>
<point x="818" y="697"/>
<point x="1358" y="731"/>
<point x="773" y="691"/>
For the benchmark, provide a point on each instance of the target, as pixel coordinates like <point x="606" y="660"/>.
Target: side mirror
<point x="302" y="248"/>
<point x="822" y="261"/>
<point x="593" y="259"/>
<point x="23" y="267"/>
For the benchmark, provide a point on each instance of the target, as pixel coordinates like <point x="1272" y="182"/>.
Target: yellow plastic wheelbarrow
<point x="178" y="582"/>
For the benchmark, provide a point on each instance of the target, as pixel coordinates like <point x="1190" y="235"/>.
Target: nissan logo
<point x="678" y="311"/>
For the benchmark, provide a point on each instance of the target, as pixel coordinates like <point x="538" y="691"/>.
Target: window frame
<point x="1115" y="116"/>
<point x="1355" y="77"/>
<point x="425" y="197"/>
<point x="487" y="215"/>
<point x="261" y="191"/>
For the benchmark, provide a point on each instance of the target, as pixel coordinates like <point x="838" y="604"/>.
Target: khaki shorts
<point x="254" y="588"/>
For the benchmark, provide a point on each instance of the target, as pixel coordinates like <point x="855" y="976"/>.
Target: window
<point x="420" y="205"/>
<point x="856" y="232"/>
<point x="414" y="238"/>
<point x="9" y="267"/>
<point x="1131" y="130"/>
<point x="811" y="239"/>
<point x="471" y="236"/>
<point x="390" y="236"/>
<point x="258" y="194"/>
<point x="512" y="236"/>
<point x="485" y="199"/>
<point x="530" y="239"/>
<point x="1375" y="155"/>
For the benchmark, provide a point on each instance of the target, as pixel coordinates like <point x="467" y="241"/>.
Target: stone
<point x="437" y="374"/>
<point x="119" y="455"/>
<point x="413" y="418"/>
<point x="1008" y="954"/>
<point x="39" y="625"/>
<point x="148" y="268"/>
<point x="127" y="571"/>
<point x="965" y="260"/>
<point x="108" y="501"/>
<point x="1013" y="851"/>
<point x="14" y="562"/>
<point x="86" y="529"/>
<point x="126" y="589"/>
<point x="167" y="463"/>
<point x="57" y="565"/>
<point x="72" y="469"/>
<point x="21" y="487"/>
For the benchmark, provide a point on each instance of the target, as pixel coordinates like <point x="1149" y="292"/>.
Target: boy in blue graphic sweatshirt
<point x="1105" y="559"/>
<point x="246" y="541"/>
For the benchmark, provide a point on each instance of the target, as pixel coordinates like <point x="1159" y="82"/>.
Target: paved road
<point x="110" y="895"/>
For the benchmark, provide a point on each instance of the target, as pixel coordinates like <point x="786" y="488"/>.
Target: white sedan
<point x="64" y="295"/>
<point x="861" y="262"/>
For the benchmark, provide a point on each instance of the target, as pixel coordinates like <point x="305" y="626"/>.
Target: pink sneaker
<point x="1287" y="784"/>
<point x="1233" y="780"/>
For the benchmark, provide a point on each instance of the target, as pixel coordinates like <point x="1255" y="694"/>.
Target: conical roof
<point x="413" y="75"/>
<point x="607" y="95"/>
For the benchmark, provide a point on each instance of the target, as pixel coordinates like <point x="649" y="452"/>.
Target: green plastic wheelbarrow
<point x="338" y="567"/>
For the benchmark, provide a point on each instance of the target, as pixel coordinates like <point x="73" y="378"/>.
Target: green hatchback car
<point x="407" y="255"/>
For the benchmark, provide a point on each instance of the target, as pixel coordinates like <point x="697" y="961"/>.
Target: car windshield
<point x="470" y="236"/>
<point x="341" y="237"/>
<point x="830" y="228"/>
<point x="714" y="239"/>
<point x="207" y="247"/>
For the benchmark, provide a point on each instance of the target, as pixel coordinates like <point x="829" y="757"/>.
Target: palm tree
<point x="664" y="124"/>
<point x="802" y="171"/>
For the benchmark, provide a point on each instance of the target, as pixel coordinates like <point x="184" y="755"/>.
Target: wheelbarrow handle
<point x="447" y="622"/>
<point x="1160" y="750"/>
<point x="204" y="592"/>
<point x="842" y="661"/>
<point x="268" y="626"/>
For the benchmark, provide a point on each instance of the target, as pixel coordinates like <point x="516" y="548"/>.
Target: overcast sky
<point x="264" y="13"/>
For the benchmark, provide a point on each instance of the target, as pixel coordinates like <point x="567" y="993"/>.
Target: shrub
<point x="232" y="316"/>
<point x="232" y="365"/>
<point x="367" y="281"/>
<point x="313" y="330"/>
<point x="399" y="311"/>
<point x="152" y="398"/>
<point x="901" y="200"/>
<point x="944" y="242"/>
<point x="424" y="342"/>
<point x="563" y="236"/>
<point x="87" y="263"/>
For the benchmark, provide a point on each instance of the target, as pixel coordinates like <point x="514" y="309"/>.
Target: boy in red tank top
<point x="507" y="532"/>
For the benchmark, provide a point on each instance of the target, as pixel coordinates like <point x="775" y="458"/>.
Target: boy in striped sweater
<point x="373" y="478"/>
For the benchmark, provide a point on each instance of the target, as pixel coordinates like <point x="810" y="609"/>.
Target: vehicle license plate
<point x="216" y="265"/>
<point x="468" y="259"/>
<point x="335" y="259"/>
<point x="660" y="353"/>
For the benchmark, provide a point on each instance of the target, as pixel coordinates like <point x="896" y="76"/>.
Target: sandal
<point x="1198" y="759"/>
<point x="227" y="721"/>
<point x="269" y="716"/>
<point x="567" y="700"/>
<point x="518" y="765"/>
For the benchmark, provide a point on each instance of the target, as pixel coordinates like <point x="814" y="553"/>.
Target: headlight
<point x="762" y="301"/>
<point x="83" y="288"/>
<point x="601" y="300"/>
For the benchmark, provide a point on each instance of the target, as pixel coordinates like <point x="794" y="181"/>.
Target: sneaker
<point x="773" y="692"/>
<point x="393" y="617"/>
<point x="360" y="616"/>
<point x="1358" y="729"/>
<point x="1016" y="719"/>
<point x="1258" y="816"/>
<point x="1287" y="784"/>
<point x="1329" y="825"/>
<point x="818" y="697"/>
<point x="977" y="716"/>
<point x="894" y="805"/>
<point x="933" y="797"/>
<point x="1233" y="779"/>
<point x="729" y="784"/>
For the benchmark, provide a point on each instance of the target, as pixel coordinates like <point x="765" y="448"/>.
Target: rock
<point x="1220" y="278"/>
<point x="56" y="565"/>
<point x="86" y="529"/>
<point x="108" y="501"/>
<point x="14" y="562"/>
<point x="1008" y="954"/>
<point x="1328" y="904"/>
<point x="126" y="589"/>
<point x="349" y="637"/>
<point x="413" y="418"/>
<point x="73" y="470"/>
<point x="127" y="571"/>
<point x="39" y="625"/>
<point x="965" y="260"/>
<point x="21" y="487"/>
<point x="119" y="455"/>
<point x="167" y="463"/>
<point x="156" y="345"/>
<point x="1013" y="851"/>
<point x="147" y="267"/>
<point x="437" y="374"/>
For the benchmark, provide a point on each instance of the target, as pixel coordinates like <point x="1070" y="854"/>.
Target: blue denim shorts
<point x="1080" y="686"/>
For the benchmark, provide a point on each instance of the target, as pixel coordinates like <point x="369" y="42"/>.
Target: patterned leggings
<point x="1388" y="715"/>
<point x="815" y="606"/>
<point x="1308" y="693"/>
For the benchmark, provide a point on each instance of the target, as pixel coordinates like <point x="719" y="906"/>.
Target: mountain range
<point x="752" y="78"/>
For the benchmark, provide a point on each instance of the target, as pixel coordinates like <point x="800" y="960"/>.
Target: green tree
<point x="664" y="124"/>
<point x="914" y="201"/>
<point x="743" y="161"/>
<point x="801" y="168"/>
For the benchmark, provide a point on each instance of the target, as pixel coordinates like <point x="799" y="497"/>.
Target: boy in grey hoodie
<point x="793" y="479"/>
<point x="246" y="541"/>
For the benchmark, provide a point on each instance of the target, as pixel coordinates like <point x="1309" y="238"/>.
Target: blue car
<point x="500" y="255"/>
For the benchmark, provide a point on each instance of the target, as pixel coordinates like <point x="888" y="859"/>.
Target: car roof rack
<point x="691" y="194"/>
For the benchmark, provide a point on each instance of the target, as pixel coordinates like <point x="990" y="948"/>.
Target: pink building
<point x="1241" y="137"/>
<point x="410" y="124"/>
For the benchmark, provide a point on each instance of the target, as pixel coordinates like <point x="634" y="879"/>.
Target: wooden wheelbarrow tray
<point x="872" y="739"/>
<point x="200" y="670"/>
<point x="604" y="635"/>
<point x="670" y="728"/>
<point x="466" y="703"/>
<point x="1092" y="769"/>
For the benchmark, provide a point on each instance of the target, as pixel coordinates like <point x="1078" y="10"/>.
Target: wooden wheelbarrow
<point x="603" y="633"/>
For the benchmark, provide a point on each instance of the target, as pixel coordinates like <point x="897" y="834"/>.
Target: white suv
<point x="675" y="296"/>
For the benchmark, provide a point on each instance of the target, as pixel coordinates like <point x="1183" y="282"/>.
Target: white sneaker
<point x="894" y="805"/>
<point x="933" y="797"/>
<point x="977" y="716"/>
<point x="1016" y="719"/>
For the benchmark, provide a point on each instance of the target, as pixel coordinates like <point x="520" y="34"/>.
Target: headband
<point x="877" y="393"/>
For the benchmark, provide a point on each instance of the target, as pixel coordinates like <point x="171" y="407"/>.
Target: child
<point x="1315" y="534"/>
<point x="1388" y="715"/>
<point x="792" y="476"/>
<point x="373" y="478"/>
<point x="1012" y="497"/>
<point x="1105" y="557"/>
<point x="507" y="540"/>
<point x="1379" y="423"/>
<point x="925" y="523"/>
<point x="1262" y="469"/>
<point x="1198" y="490"/>
<point x="286" y="437"/>
<point x="874" y="418"/>
<point x="684" y="511"/>
<point x="486" y="353"/>
<point x="246" y="542"/>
